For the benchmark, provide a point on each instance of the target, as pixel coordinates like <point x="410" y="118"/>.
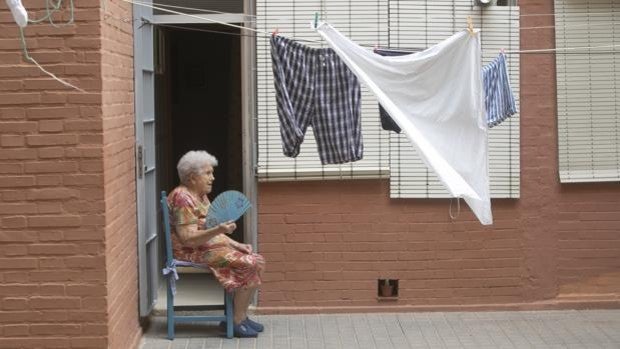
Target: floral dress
<point x="232" y="267"/>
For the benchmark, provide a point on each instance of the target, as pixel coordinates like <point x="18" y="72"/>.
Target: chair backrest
<point x="165" y="213"/>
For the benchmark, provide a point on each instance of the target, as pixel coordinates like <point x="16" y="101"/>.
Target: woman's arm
<point x="190" y="235"/>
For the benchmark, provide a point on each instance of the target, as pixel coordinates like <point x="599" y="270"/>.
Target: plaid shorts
<point x="315" y="88"/>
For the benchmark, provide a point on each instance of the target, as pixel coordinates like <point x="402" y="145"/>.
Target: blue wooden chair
<point x="170" y="272"/>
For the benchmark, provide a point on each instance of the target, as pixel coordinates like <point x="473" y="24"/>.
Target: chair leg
<point x="228" y="303"/>
<point x="170" y="310"/>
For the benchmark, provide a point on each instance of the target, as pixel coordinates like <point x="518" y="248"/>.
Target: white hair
<point x="193" y="162"/>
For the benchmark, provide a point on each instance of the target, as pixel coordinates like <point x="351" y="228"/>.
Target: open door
<point x="146" y="196"/>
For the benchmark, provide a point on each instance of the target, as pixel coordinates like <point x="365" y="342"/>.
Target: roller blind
<point x="365" y="21"/>
<point x="588" y="83"/>
<point x="421" y="24"/>
<point x="384" y="23"/>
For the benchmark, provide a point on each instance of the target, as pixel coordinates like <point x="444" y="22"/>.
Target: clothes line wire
<point x="413" y="50"/>
<point x="289" y="19"/>
<point x="581" y="24"/>
<point x="430" y="17"/>
<point x="208" y="19"/>
<point x="573" y="25"/>
<point x="145" y="4"/>
<point x="568" y="14"/>
<point x="560" y="49"/>
<point x="50" y="10"/>
<point x="203" y="10"/>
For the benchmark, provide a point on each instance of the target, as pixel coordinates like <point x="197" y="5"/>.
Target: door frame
<point x="248" y="124"/>
<point x="146" y="166"/>
<point x="248" y="111"/>
<point x="248" y="101"/>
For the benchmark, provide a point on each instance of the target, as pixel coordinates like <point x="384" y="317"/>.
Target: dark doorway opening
<point x="198" y="101"/>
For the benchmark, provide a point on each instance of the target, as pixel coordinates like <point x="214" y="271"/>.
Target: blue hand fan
<point x="228" y="206"/>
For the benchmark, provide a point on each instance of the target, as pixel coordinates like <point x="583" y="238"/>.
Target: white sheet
<point x="436" y="98"/>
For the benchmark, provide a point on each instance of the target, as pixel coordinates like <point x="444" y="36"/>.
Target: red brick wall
<point x="52" y="248"/>
<point x="327" y="243"/>
<point x="63" y="234"/>
<point x="119" y="175"/>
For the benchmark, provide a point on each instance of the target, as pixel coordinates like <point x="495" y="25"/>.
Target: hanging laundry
<point x="435" y="96"/>
<point x="386" y="120"/>
<point x="387" y="123"/>
<point x="315" y="88"/>
<point x="498" y="98"/>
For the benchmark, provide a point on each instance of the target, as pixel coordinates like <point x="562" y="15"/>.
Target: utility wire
<point x="50" y="9"/>
<point x="551" y="50"/>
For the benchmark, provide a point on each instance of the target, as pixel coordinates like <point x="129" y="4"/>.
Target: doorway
<point x="198" y="105"/>
<point x="199" y="102"/>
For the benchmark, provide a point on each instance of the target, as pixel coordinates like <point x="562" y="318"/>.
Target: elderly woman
<point x="234" y="264"/>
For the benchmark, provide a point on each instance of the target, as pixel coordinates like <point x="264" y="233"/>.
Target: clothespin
<point x="275" y="32"/>
<point x="316" y="20"/>
<point x="470" y="26"/>
<point x="502" y="51"/>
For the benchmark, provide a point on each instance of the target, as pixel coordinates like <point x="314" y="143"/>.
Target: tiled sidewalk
<point x="515" y="329"/>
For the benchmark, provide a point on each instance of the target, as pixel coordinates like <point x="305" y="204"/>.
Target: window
<point x="395" y="24"/>
<point x="418" y="25"/>
<point x="366" y="23"/>
<point x="587" y="90"/>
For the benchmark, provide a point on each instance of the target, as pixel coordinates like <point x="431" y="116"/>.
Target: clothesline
<point x="281" y="19"/>
<point x="560" y="50"/>
<point x="431" y="16"/>
<point x="48" y="17"/>
<point x="54" y="7"/>
<point x="569" y="14"/>
<point x="319" y="42"/>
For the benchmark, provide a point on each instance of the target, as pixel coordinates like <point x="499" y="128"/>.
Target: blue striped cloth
<point x="499" y="100"/>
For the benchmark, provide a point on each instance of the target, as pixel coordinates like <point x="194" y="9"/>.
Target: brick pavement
<point x="514" y="329"/>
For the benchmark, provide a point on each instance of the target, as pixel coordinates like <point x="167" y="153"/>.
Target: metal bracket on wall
<point x="140" y="160"/>
<point x="144" y="22"/>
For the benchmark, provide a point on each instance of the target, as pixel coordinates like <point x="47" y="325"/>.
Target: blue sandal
<point x="242" y="330"/>
<point x="254" y="325"/>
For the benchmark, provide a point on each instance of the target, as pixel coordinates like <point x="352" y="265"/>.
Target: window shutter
<point x="397" y="24"/>
<point x="587" y="94"/>
<point x="417" y="24"/>
<point x="364" y="21"/>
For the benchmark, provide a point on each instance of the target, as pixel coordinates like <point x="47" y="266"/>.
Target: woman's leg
<point x="242" y="303"/>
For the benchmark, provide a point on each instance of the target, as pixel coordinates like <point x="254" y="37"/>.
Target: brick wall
<point x="327" y="243"/>
<point x="52" y="274"/>
<point x="119" y="180"/>
<point x="63" y="234"/>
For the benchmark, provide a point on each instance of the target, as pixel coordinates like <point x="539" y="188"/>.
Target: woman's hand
<point x="245" y="248"/>
<point x="227" y="227"/>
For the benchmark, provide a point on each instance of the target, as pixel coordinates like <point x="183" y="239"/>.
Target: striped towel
<point x="499" y="100"/>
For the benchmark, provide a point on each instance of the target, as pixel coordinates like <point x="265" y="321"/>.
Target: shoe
<point x="242" y="330"/>
<point x="254" y="325"/>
